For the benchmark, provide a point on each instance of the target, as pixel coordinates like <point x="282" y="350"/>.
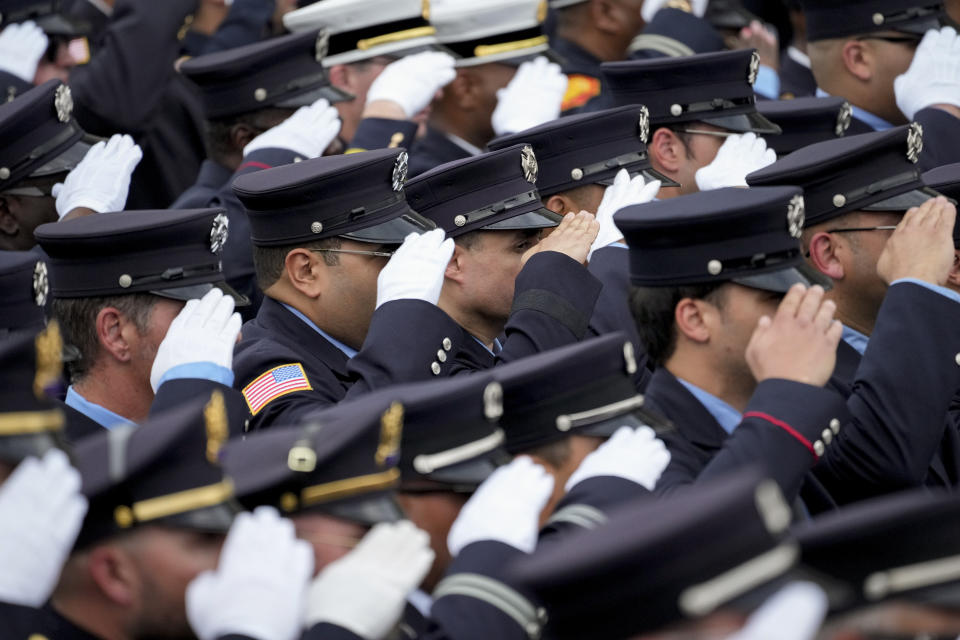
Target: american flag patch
<point x="276" y="382"/>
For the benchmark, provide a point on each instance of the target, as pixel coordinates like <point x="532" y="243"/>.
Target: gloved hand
<point x="366" y="590"/>
<point x="933" y="76"/>
<point x="738" y="156"/>
<point x="41" y="510"/>
<point x="505" y="508"/>
<point x="416" y="270"/>
<point x="650" y="8"/>
<point x="793" y="613"/>
<point x="635" y="455"/>
<point x="624" y="191"/>
<point x="309" y="131"/>
<point x="533" y="97"/>
<point x="412" y="82"/>
<point x="21" y="48"/>
<point x="260" y="585"/>
<point x="101" y="180"/>
<point x="205" y="331"/>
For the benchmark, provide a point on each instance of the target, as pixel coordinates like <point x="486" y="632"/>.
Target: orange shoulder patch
<point x="580" y="89"/>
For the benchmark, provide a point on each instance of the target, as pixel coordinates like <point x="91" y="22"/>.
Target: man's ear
<point x="605" y="16"/>
<point x="9" y="225"/>
<point x="667" y="151"/>
<point x="455" y="268"/>
<point x="464" y="91"/>
<point x="240" y="136"/>
<point x="307" y="272"/>
<point x="954" y="278"/>
<point x="339" y="77"/>
<point x="692" y="319"/>
<point x="113" y="332"/>
<point x="559" y="203"/>
<point x="824" y="248"/>
<point x="113" y="571"/>
<point x="858" y="59"/>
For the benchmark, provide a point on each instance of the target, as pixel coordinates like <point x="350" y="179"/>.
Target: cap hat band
<point x="338" y="489"/>
<point x="20" y="423"/>
<point x="396" y="36"/>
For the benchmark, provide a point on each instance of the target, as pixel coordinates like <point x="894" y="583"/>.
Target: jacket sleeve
<point x="382" y="133"/>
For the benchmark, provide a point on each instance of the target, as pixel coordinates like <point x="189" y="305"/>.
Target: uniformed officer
<point x="696" y="104"/>
<point x="40" y="501"/>
<point x="247" y="90"/>
<point x="558" y="407"/>
<point x="623" y="579"/>
<point x="736" y="388"/>
<point x="805" y="121"/>
<point x="587" y="34"/>
<point x="24" y="290"/>
<point x="502" y="277"/>
<point x="118" y="281"/>
<point x="882" y="57"/>
<point x="578" y="158"/>
<point x="796" y="78"/>
<point x="322" y="230"/>
<point x="505" y="81"/>
<point x="675" y="29"/>
<point x="858" y="190"/>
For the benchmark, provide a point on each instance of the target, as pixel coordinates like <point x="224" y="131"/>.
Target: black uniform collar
<point x="666" y="395"/>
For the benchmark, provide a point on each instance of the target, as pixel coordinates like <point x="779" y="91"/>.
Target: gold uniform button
<point x="435" y="368"/>
<point x="818" y="448"/>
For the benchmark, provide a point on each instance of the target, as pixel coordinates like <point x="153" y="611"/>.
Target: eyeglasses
<point x="380" y="254"/>
<point x="704" y="132"/>
<point x="852" y="229"/>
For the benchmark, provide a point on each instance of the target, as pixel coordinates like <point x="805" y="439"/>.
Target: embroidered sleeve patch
<point x="580" y="89"/>
<point x="274" y="383"/>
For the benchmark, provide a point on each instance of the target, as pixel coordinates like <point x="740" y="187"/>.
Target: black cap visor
<point x="66" y="161"/>
<point x="213" y="519"/>
<point x="13" y="449"/>
<point x="368" y="509"/>
<point x="777" y="281"/>
<point x="538" y="218"/>
<point x="332" y="94"/>
<point x="744" y="122"/>
<point x="903" y="201"/>
<point x="649" y="174"/>
<point x="197" y="291"/>
<point x="392" y="231"/>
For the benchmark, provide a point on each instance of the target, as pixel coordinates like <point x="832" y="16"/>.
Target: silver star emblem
<point x="63" y="103"/>
<point x="844" y="118"/>
<point x="644" y="124"/>
<point x="219" y="233"/>
<point x="322" y="46"/>
<point x="754" y="68"/>
<point x="914" y="142"/>
<point x="41" y="284"/>
<point x="400" y="171"/>
<point x="528" y="162"/>
<point x="796" y="216"/>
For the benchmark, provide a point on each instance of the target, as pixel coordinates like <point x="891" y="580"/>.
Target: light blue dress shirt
<point x="725" y="415"/>
<point x="101" y="415"/>
<point x="875" y="122"/>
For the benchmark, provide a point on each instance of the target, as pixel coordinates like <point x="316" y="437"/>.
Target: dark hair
<point x="219" y="136"/>
<point x="78" y="323"/>
<point x="556" y="454"/>
<point x="269" y="262"/>
<point x="653" y="311"/>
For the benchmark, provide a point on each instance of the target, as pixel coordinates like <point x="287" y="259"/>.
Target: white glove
<point x="309" y="131"/>
<point x="933" y="76"/>
<point x="21" y="48"/>
<point x="260" y="586"/>
<point x="101" y="180"/>
<point x="533" y="97"/>
<point x="624" y="191"/>
<point x="41" y="510"/>
<point x="412" y="82"/>
<point x="205" y="330"/>
<point x="366" y="590"/>
<point x="793" y="613"/>
<point x="417" y="269"/>
<point x="505" y="508"/>
<point x="738" y="156"/>
<point x="635" y="455"/>
<point x="650" y="8"/>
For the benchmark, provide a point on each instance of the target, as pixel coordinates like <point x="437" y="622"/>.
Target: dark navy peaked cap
<point x="357" y="196"/>
<point x="946" y="180"/>
<point x="716" y="88"/>
<point x="278" y="72"/>
<point x="588" y="148"/>
<point x="828" y="19"/>
<point x="341" y="461"/>
<point x="493" y="191"/>
<point x="749" y="236"/>
<point x="174" y="254"/>
<point x="583" y="389"/>
<point x="871" y="172"/>
<point x="805" y="121"/>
